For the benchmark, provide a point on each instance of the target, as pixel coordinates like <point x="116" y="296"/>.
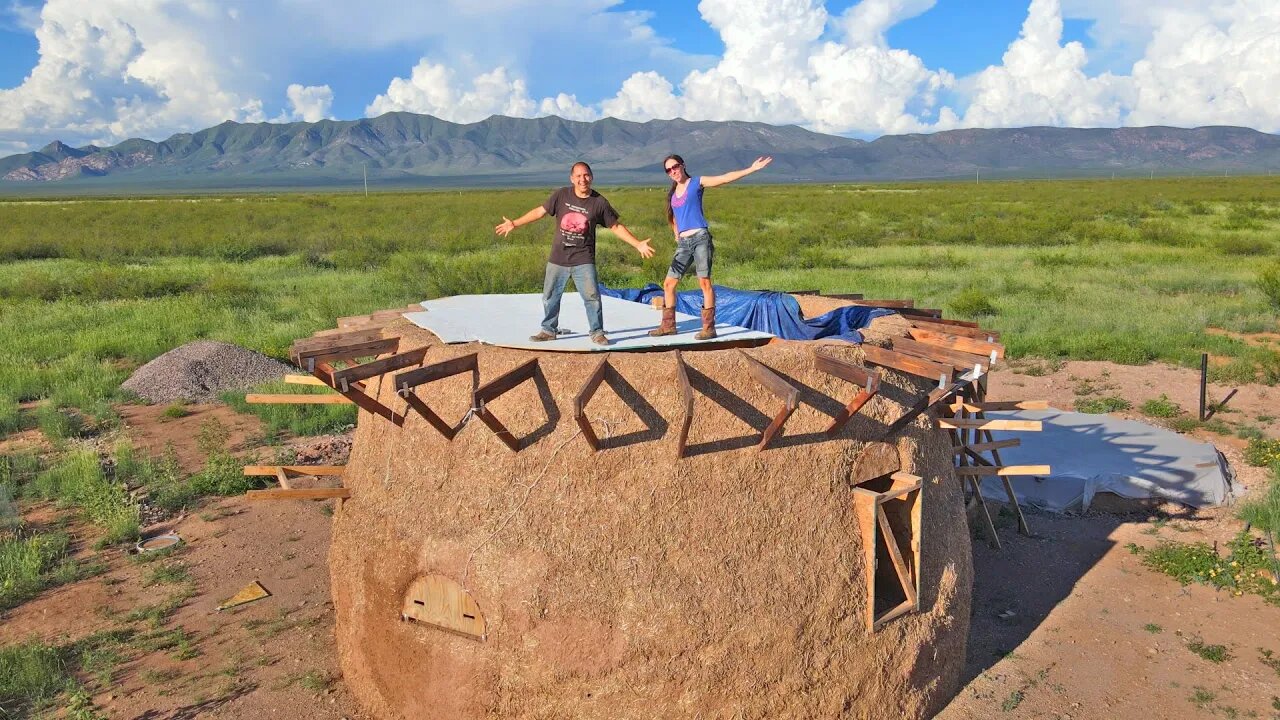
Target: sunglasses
<point x="671" y="168"/>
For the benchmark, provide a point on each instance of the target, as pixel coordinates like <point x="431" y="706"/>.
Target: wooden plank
<point x="976" y="333"/>
<point x="843" y="296"/>
<point x="268" y="399"/>
<point x="1004" y="470"/>
<point x="885" y="303"/>
<point x="986" y="446"/>
<point x="989" y="424"/>
<point x="783" y="390"/>
<point x="282" y="477"/>
<point x="584" y="396"/>
<point x="956" y="342"/>
<point x="327" y="342"/>
<point x="299" y="494"/>
<point x="904" y="484"/>
<point x="686" y="394"/>
<point x="977" y="406"/>
<point x="311" y="358"/>
<point x="958" y="323"/>
<point x="913" y="366"/>
<point x="380" y="316"/>
<point x="894" y="614"/>
<point x="342" y="379"/>
<point x="295" y="469"/>
<point x="864" y="508"/>
<point x="919" y="312"/>
<point x="304" y="380"/>
<point x="961" y="361"/>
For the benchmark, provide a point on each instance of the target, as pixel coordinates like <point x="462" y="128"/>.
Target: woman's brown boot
<point x="668" y="326"/>
<point x="708" y="324"/>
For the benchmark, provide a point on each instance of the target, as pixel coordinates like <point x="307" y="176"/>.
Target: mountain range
<point x="405" y="149"/>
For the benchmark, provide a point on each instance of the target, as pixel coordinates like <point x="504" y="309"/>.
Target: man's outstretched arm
<point x="641" y="246"/>
<point x="506" y="226"/>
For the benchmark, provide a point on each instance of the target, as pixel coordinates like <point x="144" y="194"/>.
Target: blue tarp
<point x="771" y="312"/>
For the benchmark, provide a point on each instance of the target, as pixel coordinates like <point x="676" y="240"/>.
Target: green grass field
<point x="1129" y="270"/>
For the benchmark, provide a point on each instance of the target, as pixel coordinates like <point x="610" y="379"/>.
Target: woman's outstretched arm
<point x="725" y="179"/>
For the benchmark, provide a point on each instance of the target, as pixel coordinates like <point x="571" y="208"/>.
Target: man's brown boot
<point x="708" y="324"/>
<point x="668" y="326"/>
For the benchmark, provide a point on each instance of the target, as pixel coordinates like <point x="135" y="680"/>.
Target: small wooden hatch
<point x="437" y="601"/>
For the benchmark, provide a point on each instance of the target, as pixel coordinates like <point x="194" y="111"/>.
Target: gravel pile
<point x="199" y="370"/>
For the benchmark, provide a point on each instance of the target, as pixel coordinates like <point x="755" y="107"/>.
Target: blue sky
<point x="119" y="68"/>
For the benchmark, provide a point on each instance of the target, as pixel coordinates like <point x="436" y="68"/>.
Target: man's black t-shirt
<point x="576" y="221"/>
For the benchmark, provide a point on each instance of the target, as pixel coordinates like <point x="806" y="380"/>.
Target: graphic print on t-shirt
<point x="574" y="226"/>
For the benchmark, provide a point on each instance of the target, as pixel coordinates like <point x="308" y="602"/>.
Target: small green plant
<point x="315" y="681"/>
<point x="1201" y="697"/>
<point x="169" y="573"/>
<point x="1262" y="452"/>
<point x="972" y="302"/>
<point x="1247" y="569"/>
<point x="175" y="411"/>
<point x="1212" y="653"/>
<point x="1012" y="702"/>
<point x="1161" y="407"/>
<point x="1153" y="628"/>
<point x="1269" y="658"/>
<point x="1100" y="405"/>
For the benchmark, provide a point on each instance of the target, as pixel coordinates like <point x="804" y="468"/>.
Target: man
<point x="579" y="209"/>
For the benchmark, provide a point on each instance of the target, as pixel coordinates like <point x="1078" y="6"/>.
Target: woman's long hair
<point x="671" y="214"/>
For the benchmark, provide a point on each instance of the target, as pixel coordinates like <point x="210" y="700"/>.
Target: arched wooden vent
<point x="437" y="601"/>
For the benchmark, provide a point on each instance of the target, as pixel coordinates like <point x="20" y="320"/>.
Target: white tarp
<point x="509" y="320"/>
<point x="1089" y="454"/>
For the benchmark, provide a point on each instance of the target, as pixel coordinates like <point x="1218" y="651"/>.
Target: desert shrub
<point x="972" y="302"/>
<point x="31" y="673"/>
<point x="77" y="480"/>
<point x="1100" y="405"/>
<point x="1161" y="407"/>
<point x="26" y="564"/>
<point x="1269" y="284"/>
<point x="1247" y="245"/>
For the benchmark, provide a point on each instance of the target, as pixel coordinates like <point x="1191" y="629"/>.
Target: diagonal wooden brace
<point x="868" y="382"/>
<point x="584" y="396"/>
<point x="344" y="380"/>
<point x="686" y="394"/>
<point x="495" y="388"/>
<point x="785" y="391"/>
<point x="405" y="383"/>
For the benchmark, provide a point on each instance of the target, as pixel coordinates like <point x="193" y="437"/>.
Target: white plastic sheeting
<point x="1089" y="454"/>
<point x="509" y="320"/>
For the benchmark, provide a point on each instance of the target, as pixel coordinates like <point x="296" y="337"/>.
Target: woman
<point x="693" y="239"/>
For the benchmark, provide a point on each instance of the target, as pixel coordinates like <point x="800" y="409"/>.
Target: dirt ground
<point x="1066" y="624"/>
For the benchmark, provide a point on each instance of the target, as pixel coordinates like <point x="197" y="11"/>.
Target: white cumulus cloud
<point x="1043" y="82"/>
<point x="308" y="103"/>
<point x="435" y="90"/>
<point x="780" y="65"/>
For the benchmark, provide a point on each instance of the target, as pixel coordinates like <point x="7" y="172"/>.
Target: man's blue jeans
<point x="584" y="278"/>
